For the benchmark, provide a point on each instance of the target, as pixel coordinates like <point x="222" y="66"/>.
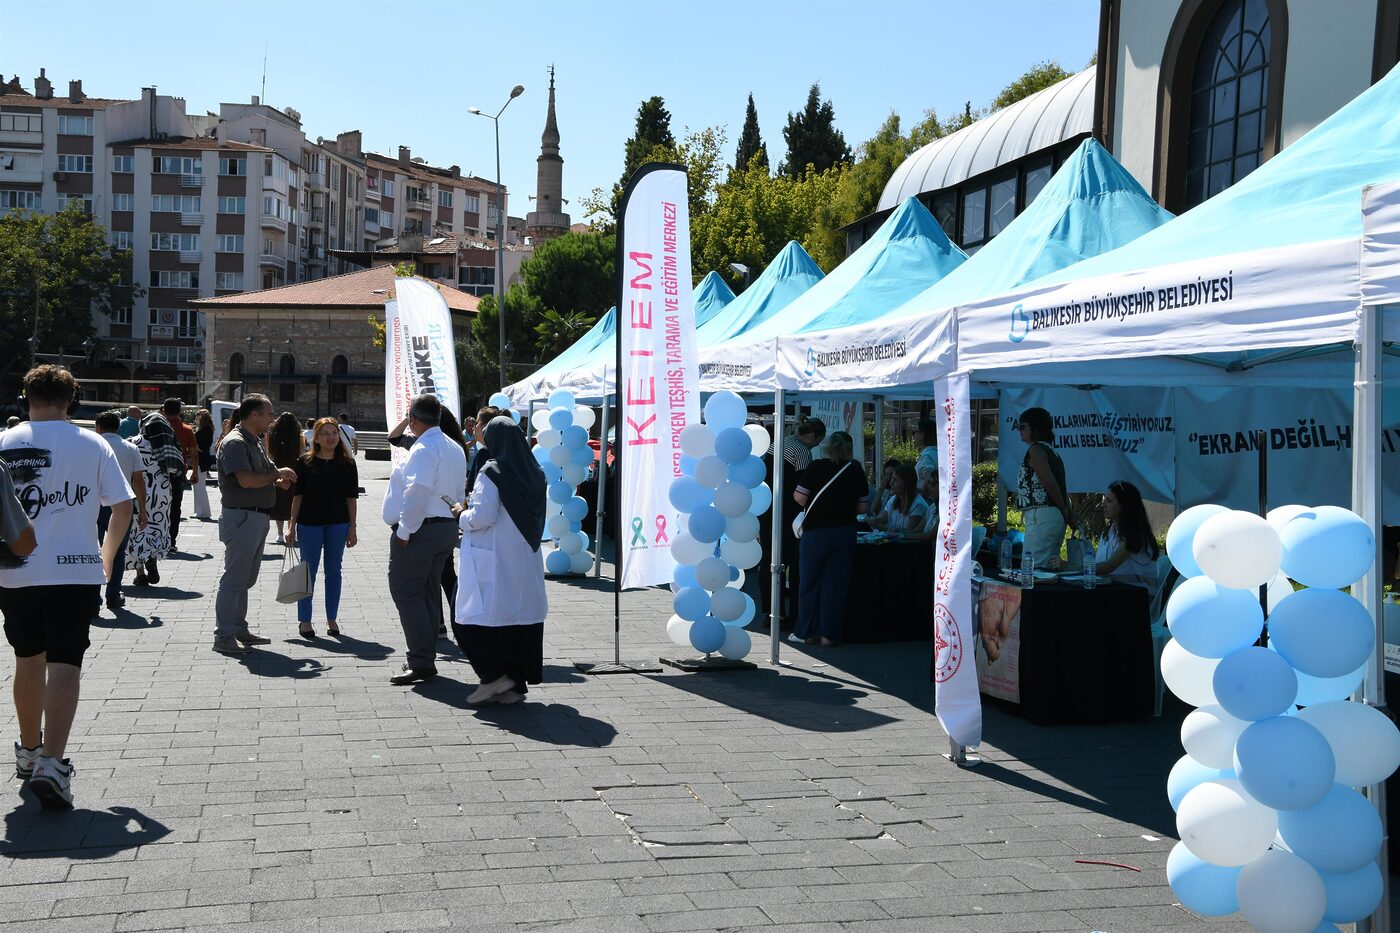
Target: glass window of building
<point x="1229" y="100"/>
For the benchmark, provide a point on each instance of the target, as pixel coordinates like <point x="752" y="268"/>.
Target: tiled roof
<point x="426" y="172"/>
<point x="367" y="289"/>
<point x="195" y="142"/>
<point x="58" y="101"/>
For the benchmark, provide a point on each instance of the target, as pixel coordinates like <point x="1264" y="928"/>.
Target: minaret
<point x="548" y="220"/>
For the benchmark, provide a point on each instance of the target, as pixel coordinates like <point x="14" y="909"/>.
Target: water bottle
<point x="1027" y="569"/>
<point x="1091" y="568"/>
<point x="1004" y="564"/>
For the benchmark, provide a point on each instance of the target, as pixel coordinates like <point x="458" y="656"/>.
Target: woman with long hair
<point x="833" y="492"/>
<point x="501" y="603"/>
<point x="204" y="438"/>
<point x="1128" y="550"/>
<point x="1041" y="493"/>
<point x="285" y="445"/>
<point x="905" y="510"/>
<point x="323" y="516"/>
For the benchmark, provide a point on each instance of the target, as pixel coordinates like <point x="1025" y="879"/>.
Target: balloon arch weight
<point x="720" y="496"/>
<point x="563" y="452"/>
<point x="1270" y="819"/>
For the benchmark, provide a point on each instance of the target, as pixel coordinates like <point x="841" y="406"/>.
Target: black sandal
<point x="307" y="631"/>
<point x="332" y="629"/>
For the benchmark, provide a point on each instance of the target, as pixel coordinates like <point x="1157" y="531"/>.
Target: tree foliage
<point x="55" y="270"/>
<point x="751" y="145"/>
<point x="700" y="151"/>
<point x="1037" y="78"/>
<point x="812" y="137"/>
<point x="573" y="273"/>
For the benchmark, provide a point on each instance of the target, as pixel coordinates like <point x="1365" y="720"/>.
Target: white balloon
<point x="686" y="550"/>
<point x="742" y="554"/>
<point x="1282" y="516"/>
<point x="1208" y="734"/>
<point x="697" y="441"/>
<point x="573" y="474"/>
<point x="1189" y="677"/>
<point x="739" y="583"/>
<point x="732" y="499"/>
<point x="570" y="544"/>
<point x="737" y="643"/>
<point x="712" y="574"/>
<point x="561" y="456"/>
<point x="742" y="528"/>
<point x="711" y="471"/>
<point x="762" y="440"/>
<point x="727" y="604"/>
<point x="558" y="525"/>
<point x="548" y="437"/>
<point x="678" y="630"/>
<point x="1278" y="588"/>
<point x="1281" y="893"/>
<point x="1366" y="744"/>
<point x="582" y="562"/>
<point x="1221" y="824"/>
<point x="584" y="417"/>
<point x="540" y="419"/>
<point x="1237" y="549"/>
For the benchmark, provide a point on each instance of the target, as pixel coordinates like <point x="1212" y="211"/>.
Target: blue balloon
<point x="1254" y="684"/>
<point x="687" y="495"/>
<point x="1327" y="547"/>
<point x="552" y="473"/>
<point x="1314" y="690"/>
<point x="688" y="464"/>
<point x="557" y="562"/>
<point x="1211" y="620"/>
<point x="515" y="416"/>
<point x="584" y="456"/>
<point x="1353" y="895"/>
<point x="707" y="634"/>
<point x="1340" y="833"/>
<point x="541" y="454"/>
<point x="561" y="398"/>
<point x="706" y="524"/>
<point x="1285" y="763"/>
<point x="575" y="436"/>
<point x="1205" y="888"/>
<point x="750" y="610"/>
<point x="748" y="472"/>
<point x="684" y="576"/>
<point x="762" y="499"/>
<point x="732" y="445"/>
<point x="691" y="603"/>
<point x="499" y="400"/>
<point x="575" y="527"/>
<point x="1182" y="533"/>
<point x="733" y="573"/>
<point x="1324" y="633"/>
<point x="561" y="418"/>
<point x="560" y="492"/>
<point x="576" y="509"/>
<point x="725" y="410"/>
<point x="1186" y="774"/>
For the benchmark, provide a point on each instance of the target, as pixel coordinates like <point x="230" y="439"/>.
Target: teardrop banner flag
<point x="419" y="351"/>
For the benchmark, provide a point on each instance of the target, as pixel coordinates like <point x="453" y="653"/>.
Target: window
<point x="121" y="239"/>
<point x="123" y="165"/>
<point x="123" y="202"/>
<point x="11" y="199"/>
<point x="176" y="203"/>
<point x="230" y="243"/>
<point x="1003" y="205"/>
<point x="184" y="320"/>
<point x="177" y="242"/>
<point x="75" y="163"/>
<point x="21" y="122"/>
<point x="232" y="205"/>
<point x="177" y="165"/>
<point x="267" y="166"/>
<point x="945" y="211"/>
<point x="472" y="203"/>
<point x="974" y="216"/>
<point x="83" y="199"/>
<point x="444" y="199"/>
<point x="276" y="207"/>
<point x="75" y="126"/>
<point x="339" y="390"/>
<point x="287" y="366"/>
<point x="122" y="315"/>
<point x="178" y="356"/>
<point x="372" y="215"/>
<point x="235" y="368"/>
<point x="1036" y="179"/>
<point x="388" y="187"/>
<point x="233" y="166"/>
<point x="164" y="278"/>
<point x="229" y="281"/>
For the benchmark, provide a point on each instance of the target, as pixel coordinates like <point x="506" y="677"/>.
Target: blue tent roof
<point x="789" y="275"/>
<point x="906" y="255"/>
<point x="1091" y="206"/>
<point x="711" y="295"/>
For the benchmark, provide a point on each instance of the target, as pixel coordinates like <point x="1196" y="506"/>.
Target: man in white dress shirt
<point x="418" y="506"/>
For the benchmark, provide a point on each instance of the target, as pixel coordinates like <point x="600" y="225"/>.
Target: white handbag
<point x="294" y="583"/>
<point x="802" y="516"/>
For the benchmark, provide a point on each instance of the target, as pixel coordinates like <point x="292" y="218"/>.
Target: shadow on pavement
<point x="161" y="592"/>
<point x="547" y="723"/>
<point x="344" y="644"/>
<point x="814" y="705"/>
<point x="270" y="664"/>
<point x="125" y="618"/>
<point x="32" y="832"/>
<point x="589" y="584"/>
<point x="187" y="556"/>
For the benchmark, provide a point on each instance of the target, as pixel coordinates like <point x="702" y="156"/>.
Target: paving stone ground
<point x="296" y="789"/>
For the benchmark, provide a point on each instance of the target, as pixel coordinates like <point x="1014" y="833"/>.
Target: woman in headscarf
<point x="163" y="462"/>
<point x="501" y="603"/>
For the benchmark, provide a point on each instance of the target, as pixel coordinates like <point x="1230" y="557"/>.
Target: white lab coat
<point x="500" y="580"/>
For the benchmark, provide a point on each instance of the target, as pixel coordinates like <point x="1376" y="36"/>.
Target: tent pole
<point x="1366" y="502"/>
<point x="775" y="582"/>
<point x="879" y="440"/>
<point x="601" y="497"/>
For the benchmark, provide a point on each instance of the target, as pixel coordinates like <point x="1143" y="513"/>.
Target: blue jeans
<point x="826" y="557"/>
<point x="312" y="540"/>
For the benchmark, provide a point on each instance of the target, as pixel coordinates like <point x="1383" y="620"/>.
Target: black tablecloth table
<point x="891" y="597"/>
<point x="1085" y="654"/>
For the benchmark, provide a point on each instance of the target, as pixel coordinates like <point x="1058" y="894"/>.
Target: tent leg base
<point x="958" y="755"/>
<point x="623" y="667"/>
<point x="702" y="665"/>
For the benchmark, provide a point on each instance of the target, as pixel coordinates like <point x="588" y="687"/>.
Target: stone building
<point x="310" y="347"/>
<point x="548" y="219"/>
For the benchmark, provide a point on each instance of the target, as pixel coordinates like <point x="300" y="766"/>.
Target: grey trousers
<point x="414" y="571"/>
<point x="243" y="535"/>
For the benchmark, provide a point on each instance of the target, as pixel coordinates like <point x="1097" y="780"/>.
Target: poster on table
<point x="956" y="700"/>
<point x="999" y="640"/>
<point x="658" y="379"/>
<point x="419" y="351"/>
<point x="841" y="415"/>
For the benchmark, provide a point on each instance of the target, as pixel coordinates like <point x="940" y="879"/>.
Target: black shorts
<point x="50" y="619"/>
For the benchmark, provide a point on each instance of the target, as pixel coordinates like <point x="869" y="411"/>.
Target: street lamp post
<point x="500" y="232"/>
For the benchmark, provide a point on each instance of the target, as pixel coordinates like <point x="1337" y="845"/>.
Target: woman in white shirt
<point x="906" y="510"/>
<point x="1128" y="550"/>
<point x="501" y="603"/>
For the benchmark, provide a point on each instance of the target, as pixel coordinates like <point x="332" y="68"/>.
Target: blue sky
<point x="405" y="73"/>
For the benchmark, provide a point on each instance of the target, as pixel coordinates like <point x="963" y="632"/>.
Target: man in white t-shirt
<point x="129" y="456"/>
<point x="348" y="432"/>
<point x="63" y="475"/>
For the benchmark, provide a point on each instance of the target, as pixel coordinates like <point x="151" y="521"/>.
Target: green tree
<point x="699" y="152"/>
<point x="55" y="271"/>
<point x="653" y="131"/>
<point x="523" y="314"/>
<point x="557" y="331"/>
<point x="750" y="141"/>
<point x="477" y="374"/>
<point x="812" y="137"/>
<point x="1037" y="78"/>
<point x="573" y="273"/>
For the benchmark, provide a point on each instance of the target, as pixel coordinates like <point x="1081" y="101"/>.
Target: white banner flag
<point x="659" y="379"/>
<point x="420" y="356"/>
<point x="956" y="698"/>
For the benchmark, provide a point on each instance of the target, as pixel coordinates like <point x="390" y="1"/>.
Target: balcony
<point x="420" y="204"/>
<point x="371" y="194"/>
<point x="273" y="222"/>
<point x="272" y="261"/>
<point x="191" y="255"/>
<point x="191" y="220"/>
<point x="315" y="217"/>
<point x="316" y="181"/>
<point x="191" y="181"/>
<point x="371" y="225"/>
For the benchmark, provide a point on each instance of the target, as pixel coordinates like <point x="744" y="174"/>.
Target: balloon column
<point x="721" y="494"/>
<point x="563" y="452"/>
<point x="1271" y="823"/>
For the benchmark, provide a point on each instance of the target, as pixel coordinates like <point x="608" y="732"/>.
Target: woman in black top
<point x="285" y="446"/>
<point x="828" y="539"/>
<point x="204" y="439"/>
<point x="323" y="515"/>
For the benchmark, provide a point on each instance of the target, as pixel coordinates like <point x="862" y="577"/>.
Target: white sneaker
<point x="797" y="639"/>
<point x="26" y="758"/>
<point x="52" y="783"/>
<point x="281" y="540"/>
<point x="487" y="691"/>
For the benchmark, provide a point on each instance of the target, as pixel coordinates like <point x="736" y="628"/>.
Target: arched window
<point x="235" y="368"/>
<point x="339" y="389"/>
<point x="287" y="389"/>
<point x="1221" y="97"/>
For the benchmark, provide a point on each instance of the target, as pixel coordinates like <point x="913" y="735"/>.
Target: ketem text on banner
<point x="419" y="350"/>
